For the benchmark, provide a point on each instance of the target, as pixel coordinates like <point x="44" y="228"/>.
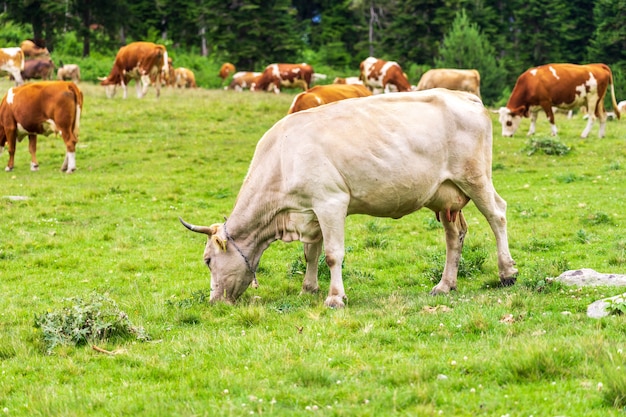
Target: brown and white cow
<point x="242" y="80"/>
<point x="276" y="76"/>
<point x="452" y="79"/>
<point x="137" y="61"/>
<point x="32" y="50"/>
<point x="226" y="69"/>
<point x="324" y="94"/>
<point x="68" y="72"/>
<point x="41" y="108"/>
<point x="386" y="156"/>
<point x="383" y="76"/>
<point x="566" y="86"/>
<point x="184" y="78"/>
<point x="348" y="80"/>
<point x="41" y="68"/>
<point x="12" y="61"/>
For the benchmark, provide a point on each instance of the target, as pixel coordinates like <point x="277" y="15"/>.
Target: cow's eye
<point x="509" y="123"/>
<point x="208" y="262"/>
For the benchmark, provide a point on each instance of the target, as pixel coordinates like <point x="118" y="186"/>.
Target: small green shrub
<point x="86" y="321"/>
<point x="596" y="219"/>
<point x="546" y="146"/>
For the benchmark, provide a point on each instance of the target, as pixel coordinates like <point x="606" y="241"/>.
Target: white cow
<point x="398" y="153"/>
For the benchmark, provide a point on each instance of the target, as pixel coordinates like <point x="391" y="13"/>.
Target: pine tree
<point x="465" y="47"/>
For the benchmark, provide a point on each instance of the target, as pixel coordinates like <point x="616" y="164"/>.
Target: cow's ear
<point x="221" y="243"/>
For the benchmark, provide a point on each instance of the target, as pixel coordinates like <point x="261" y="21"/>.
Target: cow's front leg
<point x="145" y="82"/>
<point x="533" y="123"/>
<point x="69" y="163"/>
<point x="455" y="228"/>
<point x="32" y="148"/>
<point x="312" y="252"/>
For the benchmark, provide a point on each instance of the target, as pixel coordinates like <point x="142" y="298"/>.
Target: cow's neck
<point x="251" y="226"/>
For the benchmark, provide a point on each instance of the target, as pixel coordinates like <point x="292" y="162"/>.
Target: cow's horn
<point x="102" y="78"/>
<point x="198" y="229"/>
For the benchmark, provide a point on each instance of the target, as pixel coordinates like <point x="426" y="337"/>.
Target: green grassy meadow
<point x="112" y="228"/>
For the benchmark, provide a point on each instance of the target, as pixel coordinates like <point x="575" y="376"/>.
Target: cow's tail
<point x="613" y="101"/>
<point x="78" y="105"/>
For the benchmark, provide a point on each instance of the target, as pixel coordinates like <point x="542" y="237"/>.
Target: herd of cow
<point x="344" y="149"/>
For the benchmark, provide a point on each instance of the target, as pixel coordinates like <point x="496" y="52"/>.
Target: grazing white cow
<point x="399" y="153"/>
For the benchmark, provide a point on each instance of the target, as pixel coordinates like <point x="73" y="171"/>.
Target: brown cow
<point x="383" y="76"/>
<point x="32" y="50"/>
<point x="138" y="61"/>
<point x="68" y="72"/>
<point x="38" y="69"/>
<point x="184" y="77"/>
<point x="324" y="94"/>
<point x="566" y="86"/>
<point x="41" y="108"/>
<point x="226" y="70"/>
<point x="242" y="80"/>
<point x="12" y="61"/>
<point x="276" y="76"/>
<point x="452" y="79"/>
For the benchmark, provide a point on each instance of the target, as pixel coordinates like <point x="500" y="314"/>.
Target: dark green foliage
<point x="86" y="321"/>
<point x="464" y="46"/>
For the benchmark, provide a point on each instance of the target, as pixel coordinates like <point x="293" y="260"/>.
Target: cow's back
<point x="393" y="145"/>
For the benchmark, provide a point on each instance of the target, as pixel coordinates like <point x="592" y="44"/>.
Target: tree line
<point x="501" y="38"/>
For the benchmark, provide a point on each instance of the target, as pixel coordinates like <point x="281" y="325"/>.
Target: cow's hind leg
<point x="32" y="148"/>
<point x="10" y="139"/>
<point x="493" y="207"/>
<point x="331" y="222"/>
<point x="312" y="252"/>
<point x="455" y="228"/>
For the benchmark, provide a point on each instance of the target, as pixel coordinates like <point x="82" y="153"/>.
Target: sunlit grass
<point x="112" y="228"/>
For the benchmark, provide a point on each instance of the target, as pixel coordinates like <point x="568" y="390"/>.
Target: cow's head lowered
<point x="510" y="120"/>
<point x="231" y="270"/>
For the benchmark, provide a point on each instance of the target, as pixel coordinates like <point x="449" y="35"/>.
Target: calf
<point x="184" y="77"/>
<point x="69" y="72"/>
<point x="41" y="108"/>
<point x="41" y="69"/>
<point x="242" y="80"/>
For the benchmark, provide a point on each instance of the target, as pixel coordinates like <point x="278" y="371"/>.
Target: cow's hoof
<point x="34" y="167"/>
<point x="309" y="290"/>
<point x="508" y="282"/>
<point x="335" y="301"/>
<point x="441" y="289"/>
<point x="8" y="169"/>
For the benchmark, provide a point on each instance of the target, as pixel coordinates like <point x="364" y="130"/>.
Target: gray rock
<point x="600" y="308"/>
<point x="589" y="277"/>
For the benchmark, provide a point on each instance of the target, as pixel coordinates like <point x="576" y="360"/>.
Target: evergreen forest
<point x="499" y="38"/>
